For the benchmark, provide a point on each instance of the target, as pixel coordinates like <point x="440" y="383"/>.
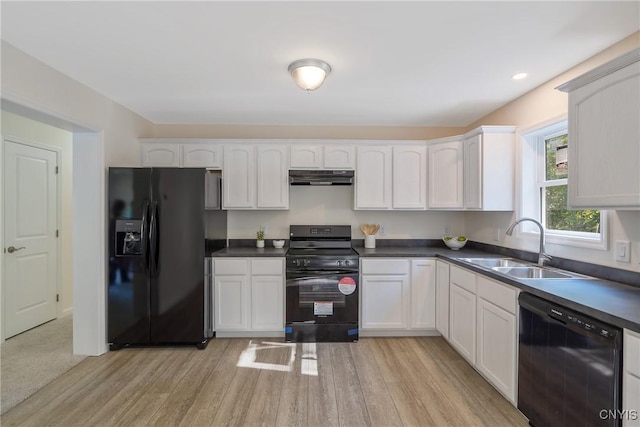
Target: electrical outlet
<point x="623" y="251"/>
<point x="496" y="234"/>
<point x="447" y="229"/>
<point x="381" y="229"/>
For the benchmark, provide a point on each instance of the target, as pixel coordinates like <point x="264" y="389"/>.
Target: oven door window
<point x="322" y="298"/>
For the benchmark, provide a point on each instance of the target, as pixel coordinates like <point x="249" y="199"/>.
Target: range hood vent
<point x="321" y="177"/>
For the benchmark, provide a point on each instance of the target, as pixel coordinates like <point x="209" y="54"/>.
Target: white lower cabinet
<point x="483" y="327"/>
<point x="462" y="312"/>
<point x="267" y="303"/>
<point x="496" y="354"/>
<point x="423" y="294"/>
<point x="249" y="295"/>
<point x="231" y="296"/>
<point x="383" y="301"/>
<point x="442" y="298"/>
<point x="631" y="379"/>
<point x="397" y="296"/>
<point x="462" y="322"/>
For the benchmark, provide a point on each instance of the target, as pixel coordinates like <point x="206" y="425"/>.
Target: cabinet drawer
<point x="501" y="295"/>
<point x="463" y="278"/>
<point x="631" y="347"/>
<point x="269" y="267"/>
<point x="384" y="266"/>
<point x="225" y="266"/>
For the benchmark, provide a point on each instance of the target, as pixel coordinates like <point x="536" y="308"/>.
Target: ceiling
<point x="417" y="63"/>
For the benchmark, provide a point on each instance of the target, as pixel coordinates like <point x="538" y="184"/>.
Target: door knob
<point x="11" y="249"/>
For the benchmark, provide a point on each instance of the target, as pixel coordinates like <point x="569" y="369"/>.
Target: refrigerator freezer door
<point x="128" y="290"/>
<point x="177" y="280"/>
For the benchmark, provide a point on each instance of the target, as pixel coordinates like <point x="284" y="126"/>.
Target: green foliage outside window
<point x="556" y="215"/>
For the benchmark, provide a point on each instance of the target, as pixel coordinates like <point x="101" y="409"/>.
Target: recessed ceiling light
<point x="519" y="76"/>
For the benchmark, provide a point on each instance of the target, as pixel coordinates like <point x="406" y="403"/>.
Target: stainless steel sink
<point x="495" y="262"/>
<point x="533" y="272"/>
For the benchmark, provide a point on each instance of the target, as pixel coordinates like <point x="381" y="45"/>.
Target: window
<point x="545" y="185"/>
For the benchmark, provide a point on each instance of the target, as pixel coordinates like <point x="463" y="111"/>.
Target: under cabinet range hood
<point x="321" y="177"/>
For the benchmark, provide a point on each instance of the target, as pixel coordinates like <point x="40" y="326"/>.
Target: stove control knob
<point x="305" y="262"/>
<point x="340" y="262"/>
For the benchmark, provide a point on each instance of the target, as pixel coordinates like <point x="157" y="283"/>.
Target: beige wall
<point x="541" y="105"/>
<point x="302" y="132"/>
<point x="20" y="129"/>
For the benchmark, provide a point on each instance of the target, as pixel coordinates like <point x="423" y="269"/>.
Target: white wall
<point x="105" y="133"/>
<point x="21" y="129"/>
<point x="334" y="205"/>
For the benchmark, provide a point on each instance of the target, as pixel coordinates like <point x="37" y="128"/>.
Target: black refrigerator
<point x="157" y="293"/>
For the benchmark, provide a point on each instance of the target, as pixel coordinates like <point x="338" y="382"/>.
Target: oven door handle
<point x="316" y="275"/>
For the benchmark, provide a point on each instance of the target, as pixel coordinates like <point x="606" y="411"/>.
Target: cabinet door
<point x="496" y="356"/>
<point x="604" y="131"/>
<point x="231" y="303"/>
<point x="339" y="156"/>
<point x="442" y="298"/>
<point x="631" y="379"/>
<point x="384" y="302"/>
<point x="202" y="155"/>
<point x="473" y="172"/>
<point x="306" y="157"/>
<point x="239" y="177"/>
<point x="273" y="177"/>
<point x="423" y="294"/>
<point x="462" y="322"/>
<point x="267" y="303"/>
<point x="409" y="177"/>
<point x="446" y="175"/>
<point x="160" y="155"/>
<point x="373" y="178"/>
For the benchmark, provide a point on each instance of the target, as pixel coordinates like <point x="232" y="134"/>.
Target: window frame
<point x="534" y="182"/>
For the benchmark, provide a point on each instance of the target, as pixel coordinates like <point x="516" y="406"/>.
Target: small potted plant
<point x="260" y="237"/>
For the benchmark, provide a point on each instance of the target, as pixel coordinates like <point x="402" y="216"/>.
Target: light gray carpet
<point x="33" y="359"/>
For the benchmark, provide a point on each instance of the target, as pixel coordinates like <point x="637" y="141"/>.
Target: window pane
<point x="558" y="217"/>
<point x="550" y="146"/>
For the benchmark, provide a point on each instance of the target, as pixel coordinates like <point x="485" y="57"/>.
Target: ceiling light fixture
<point x="519" y="76"/>
<point x="309" y="74"/>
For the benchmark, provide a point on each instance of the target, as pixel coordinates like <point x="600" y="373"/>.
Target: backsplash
<point x="334" y="205"/>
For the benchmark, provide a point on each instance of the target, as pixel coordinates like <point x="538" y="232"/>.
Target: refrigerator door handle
<point x="154" y="240"/>
<point x="145" y="237"/>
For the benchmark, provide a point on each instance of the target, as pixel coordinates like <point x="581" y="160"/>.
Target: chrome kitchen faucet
<point x="542" y="257"/>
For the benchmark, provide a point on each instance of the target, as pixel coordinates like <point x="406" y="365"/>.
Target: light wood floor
<point x="381" y="381"/>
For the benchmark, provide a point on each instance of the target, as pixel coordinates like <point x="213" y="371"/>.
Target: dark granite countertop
<point x="605" y="300"/>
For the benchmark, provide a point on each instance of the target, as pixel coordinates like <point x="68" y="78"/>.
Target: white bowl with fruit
<point x="454" y="242"/>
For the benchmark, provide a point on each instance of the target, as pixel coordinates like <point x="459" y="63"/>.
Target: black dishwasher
<point x="568" y="367"/>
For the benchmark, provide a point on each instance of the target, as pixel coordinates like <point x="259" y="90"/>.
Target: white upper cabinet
<point x="489" y="160"/>
<point x="167" y="152"/>
<point x="239" y="177"/>
<point x="306" y="157"/>
<point x="604" y="135"/>
<point x="322" y="156"/>
<point x="339" y="156"/>
<point x="273" y="177"/>
<point x="159" y="154"/>
<point x="373" y="177"/>
<point x="409" y="183"/>
<point x="202" y="156"/>
<point x="255" y="181"/>
<point x="446" y="174"/>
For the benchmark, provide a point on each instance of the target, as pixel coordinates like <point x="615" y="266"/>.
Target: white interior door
<point x="30" y="251"/>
